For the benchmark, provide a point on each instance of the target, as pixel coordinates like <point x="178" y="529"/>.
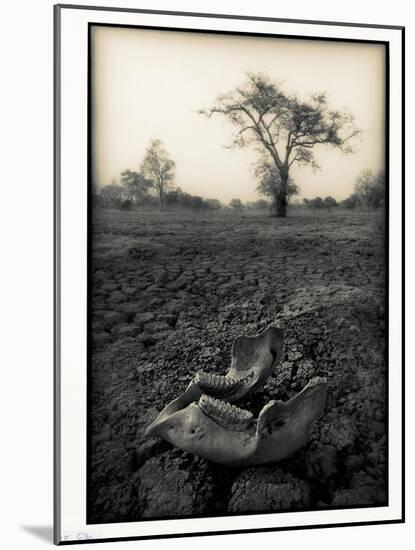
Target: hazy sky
<point x="150" y="84"/>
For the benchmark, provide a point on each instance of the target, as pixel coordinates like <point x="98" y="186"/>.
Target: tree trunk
<point x="281" y="206"/>
<point x="281" y="198"/>
<point x="161" y="200"/>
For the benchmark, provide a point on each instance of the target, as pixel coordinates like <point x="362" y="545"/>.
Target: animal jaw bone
<point x="200" y="423"/>
<point x="253" y="360"/>
<point x="224" y="434"/>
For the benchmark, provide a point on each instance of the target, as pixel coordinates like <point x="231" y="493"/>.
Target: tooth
<point x="225" y="414"/>
<point x="215" y="385"/>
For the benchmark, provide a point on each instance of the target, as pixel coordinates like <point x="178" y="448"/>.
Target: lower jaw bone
<point x="224" y="434"/>
<point x="253" y="361"/>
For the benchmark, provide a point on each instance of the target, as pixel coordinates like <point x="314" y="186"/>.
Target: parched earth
<point x="171" y="291"/>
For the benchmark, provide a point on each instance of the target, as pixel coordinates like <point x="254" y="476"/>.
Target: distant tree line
<point x="318" y="203"/>
<point x="369" y="192"/>
<point x="179" y="198"/>
<point x="119" y="195"/>
<point x="153" y="185"/>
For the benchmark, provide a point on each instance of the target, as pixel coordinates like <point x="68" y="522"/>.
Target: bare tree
<point x="285" y="126"/>
<point x="158" y="168"/>
<point x="364" y="183"/>
<point x="369" y="190"/>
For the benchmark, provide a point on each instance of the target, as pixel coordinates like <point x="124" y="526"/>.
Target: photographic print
<point x="238" y="249"/>
<point x="238" y="184"/>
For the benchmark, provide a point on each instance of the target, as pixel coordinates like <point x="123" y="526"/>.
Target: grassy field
<point x="170" y="292"/>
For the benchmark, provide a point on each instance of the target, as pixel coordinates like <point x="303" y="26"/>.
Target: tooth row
<point x="217" y="385"/>
<point x="225" y="414"/>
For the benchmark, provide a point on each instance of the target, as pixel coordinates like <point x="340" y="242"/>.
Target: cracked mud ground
<point x="171" y="291"/>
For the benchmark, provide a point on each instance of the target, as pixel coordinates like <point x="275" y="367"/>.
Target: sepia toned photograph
<point x="237" y="274"/>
